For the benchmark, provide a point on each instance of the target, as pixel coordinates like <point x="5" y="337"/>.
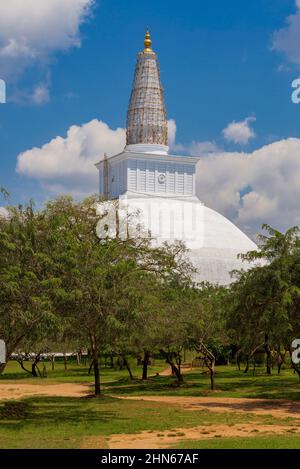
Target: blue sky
<point x="218" y="65"/>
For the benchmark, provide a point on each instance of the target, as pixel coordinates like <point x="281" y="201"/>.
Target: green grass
<point x="56" y="422"/>
<point x="75" y="373"/>
<point x="229" y="381"/>
<point x="262" y="442"/>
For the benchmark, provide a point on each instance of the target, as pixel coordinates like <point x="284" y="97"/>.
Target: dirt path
<point x="164" y="439"/>
<point x="168" y="371"/>
<point x="16" y="391"/>
<point x="275" y="407"/>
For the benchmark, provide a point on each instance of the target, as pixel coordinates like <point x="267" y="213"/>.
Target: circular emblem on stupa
<point x="161" y="178"/>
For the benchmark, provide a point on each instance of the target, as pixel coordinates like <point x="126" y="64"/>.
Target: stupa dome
<point x="219" y="255"/>
<point x="213" y="242"/>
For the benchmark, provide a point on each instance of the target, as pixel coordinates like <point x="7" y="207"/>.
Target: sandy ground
<point x="167" y="371"/>
<point x="159" y="440"/>
<point x="274" y="407"/>
<point x="16" y="391"/>
<point x="94" y="442"/>
<point x="164" y="439"/>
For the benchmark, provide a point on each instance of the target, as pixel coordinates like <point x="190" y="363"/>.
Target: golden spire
<point x="146" y="116"/>
<point x="147" y="42"/>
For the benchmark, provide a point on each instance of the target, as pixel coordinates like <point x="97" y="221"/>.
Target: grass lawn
<point x="74" y="373"/>
<point x="262" y="442"/>
<point x="66" y="422"/>
<point x="56" y="422"/>
<point x="229" y="381"/>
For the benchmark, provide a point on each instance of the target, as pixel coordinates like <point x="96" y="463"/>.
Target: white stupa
<point x="163" y="186"/>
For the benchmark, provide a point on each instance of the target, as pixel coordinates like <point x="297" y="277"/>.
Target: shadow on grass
<point x="22" y="375"/>
<point x="55" y="411"/>
<point x="15" y="376"/>
<point x="14" y="372"/>
<point x="229" y="383"/>
<point x="154" y="385"/>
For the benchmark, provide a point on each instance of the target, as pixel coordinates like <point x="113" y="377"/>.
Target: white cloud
<point x="32" y="31"/>
<point x="201" y="148"/>
<point x="67" y="164"/>
<point x="196" y="148"/>
<point x="239" y="132"/>
<point x="172" y="132"/>
<point x="287" y="39"/>
<point x="254" y="188"/>
<point x="40" y="94"/>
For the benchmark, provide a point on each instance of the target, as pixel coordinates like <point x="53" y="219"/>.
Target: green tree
<point x="99" y="283"/>
<point x="26" y="277"/>
<point x="264" y="300"/>
<point x="207" y="324"/>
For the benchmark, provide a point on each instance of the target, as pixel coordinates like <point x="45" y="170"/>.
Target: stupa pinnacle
<point x="146" y="126"/>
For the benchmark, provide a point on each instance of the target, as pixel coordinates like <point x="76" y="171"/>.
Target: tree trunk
<point x="175" y="369"/>
<point x="34" y="366"/>
<point x="33" y="370"/>
<point x="268" y="354"/>
<point x="212" y="376"/>
<point x="280" y="359"/>
<point x="112" y="365"/>
<point x="210" y="362"/>
<point x="52" y="362"/>
<point x="125" y="361"/>
<point x="177" y="373"/>
<point x="97" y="375"/>
<point x="91" y="366"/>
<point x="21" y="363"/>
<point x="238" y="361"/>
<point x="178" y="363"/>
<point x="279" y="362"/>
<point x="211" y="368"/>
<point x="96" y="365"/>
<point x="145" y="365"/>
<point x="247" y="364"/>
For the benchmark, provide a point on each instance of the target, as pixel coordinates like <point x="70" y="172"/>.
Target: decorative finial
<point x="147" y="42"/>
